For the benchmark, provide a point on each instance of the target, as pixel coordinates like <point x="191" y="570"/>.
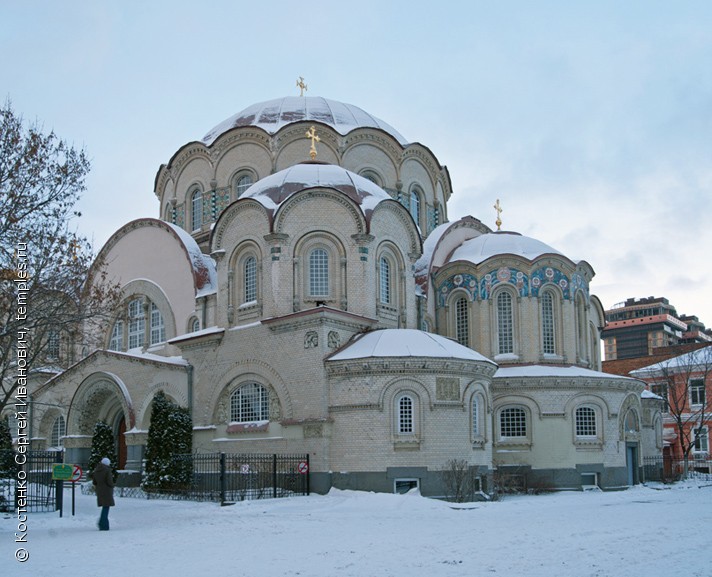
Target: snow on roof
<point x="405" y="343"/>
<point x="273" y="115"/>
<point x="647" y="394"/>
<point x="698" y="360"/>
<point x="520" y="371"/>
<point x="273" y="190"/>
<point x="429" y="245"/>
<point x="479" y="249"/>
<point x="137" y="354"/>
<point x="204" y="268"/>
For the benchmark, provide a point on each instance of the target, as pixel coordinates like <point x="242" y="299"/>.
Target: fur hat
<point x="105" y="461"/>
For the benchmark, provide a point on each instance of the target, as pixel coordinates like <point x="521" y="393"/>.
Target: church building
<point x="301" y="290"/>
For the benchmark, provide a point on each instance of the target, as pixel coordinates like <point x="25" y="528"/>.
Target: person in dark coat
<point x="103" y="481"/>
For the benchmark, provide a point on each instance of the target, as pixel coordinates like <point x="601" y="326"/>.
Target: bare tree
<point x="43" y="262"/>
<point x="460" y="481"/>
<point x="685" y="383"/>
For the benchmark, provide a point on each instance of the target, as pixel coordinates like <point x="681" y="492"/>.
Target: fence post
<point x="222" y="479"/>
<point x="308" y="474"/>
<point x="274" y="476"/>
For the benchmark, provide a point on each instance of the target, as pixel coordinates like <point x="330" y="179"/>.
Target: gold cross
<point x="311" y="135"/>
<point x="498" y="208"/>
<point x="302" y="87"/>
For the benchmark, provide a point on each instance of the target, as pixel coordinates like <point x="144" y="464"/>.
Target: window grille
<point x="505" y="336"/>
<point x="318" y="273"/>
<point x="462" y="324"/>
<point x="197" y="210"/>
<point x="547" y="323"/>
<point x="513" y="422"/>
<point x="58" y="432"/>
<point x="405" y="415"/>
<point x="158" y="329"/>
<point x="385" y="280"/>
<point x="137" y="324"/>
<point x="243" y="182"/>
<point x="249" y="403"/>
<point x="250" y="271"/>
<point x="586" y="422"/>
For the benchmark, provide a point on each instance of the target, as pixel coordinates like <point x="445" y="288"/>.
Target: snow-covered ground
<point x="643" y="532"/>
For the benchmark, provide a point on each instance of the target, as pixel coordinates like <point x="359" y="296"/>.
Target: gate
<point x="31" y="481"/>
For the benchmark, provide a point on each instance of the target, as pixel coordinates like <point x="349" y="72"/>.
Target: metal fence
<point x="230" y="477"/>
<point x="32" y="480"/>
<point x="668" y="470"/>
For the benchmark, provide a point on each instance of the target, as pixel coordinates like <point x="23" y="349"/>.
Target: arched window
<point x="631" y="421"/>
<point x="117" y="336"/>
<point x="462" y="322"/>
<point x="242" y="183"/>
<point x="372" y="176"/>
<point x="196" y="209"/>
<point x="580" y="326"/>
<point x="249" y="403"/>
<point x="249" y="271"/>
<point x="415" y="205"/>
<point x="406" y="415"/>
<point x="53" y="344"/>
<point x="195" y="325"/>
<point x="475" y="413"/>
<point x="137" y="323"/>
<point x="58" y="432"/>
<point x="158" y="329"/>
<point x="547" y="324"/>
<point x="512" y="423"/>
<point x="318" y="273"/>
<point x="586" y="425"/>
<point x="385" y="280"/>
<point x="505" y="324"/>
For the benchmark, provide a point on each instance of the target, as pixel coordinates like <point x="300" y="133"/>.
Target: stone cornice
<point x="410" y="365"/>
<point x="319" y="316"/>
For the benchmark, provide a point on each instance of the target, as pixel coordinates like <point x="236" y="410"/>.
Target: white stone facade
<point x="246" y="300"/>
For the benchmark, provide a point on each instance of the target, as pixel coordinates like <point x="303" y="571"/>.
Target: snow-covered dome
<point x="406" y="343"/>
<point x="479" y="249"/>
<point x="273" y="115"/>
<point x="273" y="190"/>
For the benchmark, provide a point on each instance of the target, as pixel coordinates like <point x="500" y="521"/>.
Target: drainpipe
<point x="189" y="370"/>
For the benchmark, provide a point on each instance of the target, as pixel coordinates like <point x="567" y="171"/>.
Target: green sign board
<point x="62" y="472"/>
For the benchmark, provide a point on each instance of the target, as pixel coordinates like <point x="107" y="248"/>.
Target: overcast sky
<point x="590" y="121"/>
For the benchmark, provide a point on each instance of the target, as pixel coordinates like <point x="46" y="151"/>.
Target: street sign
<point x="303" y="467"/>
<point x="66" y="472"/>
<point x="62" y="472"/>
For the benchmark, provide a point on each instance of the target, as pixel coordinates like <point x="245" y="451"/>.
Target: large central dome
<point x="273" y="115"/>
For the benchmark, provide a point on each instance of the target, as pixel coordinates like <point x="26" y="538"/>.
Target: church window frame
<point x="136" y="323"/>
<point x="415" y="204"/>
<point x="461" y="312"/>
<point x="53" y="344"/>
<point x="243" y="180"/>
<point x="505" y="322"/>
<point x="385" y="285"/>
<point x="249" y="276"/>
<point x="318" y="272"/>
<point x="196" y="209"/>
<point x="116" y="341"/>
<point x="194" y="325"/>
<point x="478" y="426"/>
<point x="249" y="403"/>
<point x="158" y="325"/>
<point x="405" y="415"/>
<point x="372" y="175"/>
<point x="59" y="430"/>
<point x="514" y="425"/>
<point x="586" y="422"/>
<point x="581" y="326"/>
<point x="548" y="308"/>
